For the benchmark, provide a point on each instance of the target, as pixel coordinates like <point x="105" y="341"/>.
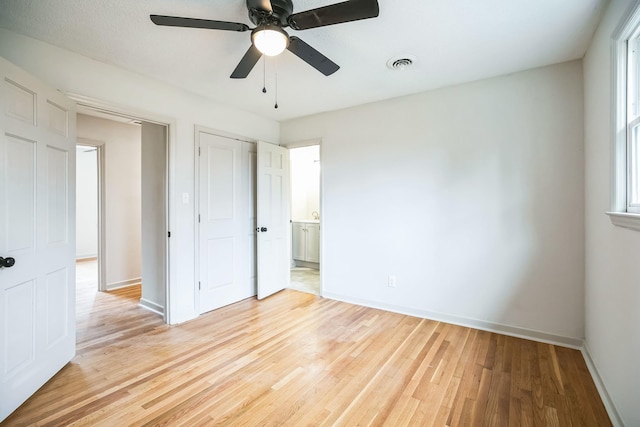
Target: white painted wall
<point x="472" y="196"/>
<point x="86" y="202"/>
<point x="81" y="75"/>
<point x="122" y="196"/>
<point x="305" y="182"/>
<point x="612" y="290"/>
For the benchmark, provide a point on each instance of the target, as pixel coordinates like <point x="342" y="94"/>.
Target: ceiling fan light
<point x="270" y="41"/>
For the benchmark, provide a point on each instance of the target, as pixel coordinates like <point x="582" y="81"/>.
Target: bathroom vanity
<point x="306" y="241"/>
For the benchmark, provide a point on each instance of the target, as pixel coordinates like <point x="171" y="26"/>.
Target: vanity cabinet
<point x="306" y="241"/>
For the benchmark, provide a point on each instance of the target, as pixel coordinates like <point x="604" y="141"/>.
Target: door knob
<point x="263" y="229"/>
<point x="7" y="262"/>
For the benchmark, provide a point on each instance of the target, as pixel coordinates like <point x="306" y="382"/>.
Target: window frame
<point x="621" y="213"/>
<point x="633" y="169"/>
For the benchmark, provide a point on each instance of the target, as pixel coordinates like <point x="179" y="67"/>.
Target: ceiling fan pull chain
<point x="276" y="67"/>
<point x="264" y="73"/>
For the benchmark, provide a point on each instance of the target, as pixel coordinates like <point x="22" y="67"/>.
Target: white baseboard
<point x="151" y="306"/>
<point x="306" y="264"/>
<point x="123" y="284"/>
<point x="616" y="420"/>
<point x="513" y="331"/>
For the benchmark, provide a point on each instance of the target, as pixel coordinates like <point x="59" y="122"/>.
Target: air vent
<point x="400" y="63"/>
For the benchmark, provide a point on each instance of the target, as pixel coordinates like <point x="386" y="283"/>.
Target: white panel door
<point x="224" y="221"/>
<point x="37" y="229"/>
<point x="273" y="219"/>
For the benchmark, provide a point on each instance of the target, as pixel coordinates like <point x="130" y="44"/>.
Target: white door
<point x="37" y="229"/>
<point x="273" y="219"/>
<point x="225" y="221"/>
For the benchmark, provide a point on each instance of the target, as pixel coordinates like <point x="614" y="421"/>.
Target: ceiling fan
<point x="269" y="37"/>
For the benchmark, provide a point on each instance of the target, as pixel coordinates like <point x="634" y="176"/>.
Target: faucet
<point x="315" y="215"/>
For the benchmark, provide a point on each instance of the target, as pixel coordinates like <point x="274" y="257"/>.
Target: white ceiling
<point x="452" y="41"/>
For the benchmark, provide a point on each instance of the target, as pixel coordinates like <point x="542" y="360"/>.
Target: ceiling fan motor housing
<point x="281" y="9"/>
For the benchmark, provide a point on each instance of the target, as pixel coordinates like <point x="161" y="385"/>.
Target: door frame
<point x="99" y="145"/>
<point x="308" y="143"/>
<point x="196" y="199"/>
<point x="84" y="102"/>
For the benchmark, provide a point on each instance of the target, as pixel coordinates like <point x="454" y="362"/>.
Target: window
<point x="625" y="197"/>
<point x="633" y="164"/>
<point x="633" y="123"/>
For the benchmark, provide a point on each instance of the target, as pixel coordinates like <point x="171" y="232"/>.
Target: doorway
<point x="130" y="180"/>
<point x="243" y="217"/>
<point x="87" y="218"/>
<point x="306" y="220"/>
<point x="86" y="202"/>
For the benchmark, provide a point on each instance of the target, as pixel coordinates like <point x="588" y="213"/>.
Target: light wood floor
<point x="300" y="360"/>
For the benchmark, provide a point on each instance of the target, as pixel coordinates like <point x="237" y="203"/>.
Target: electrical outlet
<point x="392" y="281"/>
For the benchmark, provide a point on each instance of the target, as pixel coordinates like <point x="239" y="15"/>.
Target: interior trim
<point x="151" y="306"/>
<point x="513" y="331"/>
<point x="616" y="420"/>
<point x="123" y="284"/>
<point x="625" y="219"/>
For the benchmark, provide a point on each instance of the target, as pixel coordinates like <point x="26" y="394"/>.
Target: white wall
<point x="78" y="74"/>
<point x="305" y="182"/>
<point x="122" y="196"/>
<point x="612" y="288"/>
<point x="86" y="202"/>
<point x="471" y="195"/>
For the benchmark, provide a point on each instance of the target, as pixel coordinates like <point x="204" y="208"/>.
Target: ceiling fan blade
<point x="352" y="10"/>
<point x="261" y="5"/>
<point x="176" y="21"/>
<point x="312" y="56"/>
<point x="247" y="63"/>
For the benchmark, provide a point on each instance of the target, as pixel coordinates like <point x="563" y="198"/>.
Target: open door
<point x="272" y="219"/>
<point x="37" y="235"/>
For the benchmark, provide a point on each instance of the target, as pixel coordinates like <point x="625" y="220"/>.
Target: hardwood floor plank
<point x="526" y="408"/>
<point x="296" y="359"/>
<point x="464" y="364"/>
<point x="480" y="403"/>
